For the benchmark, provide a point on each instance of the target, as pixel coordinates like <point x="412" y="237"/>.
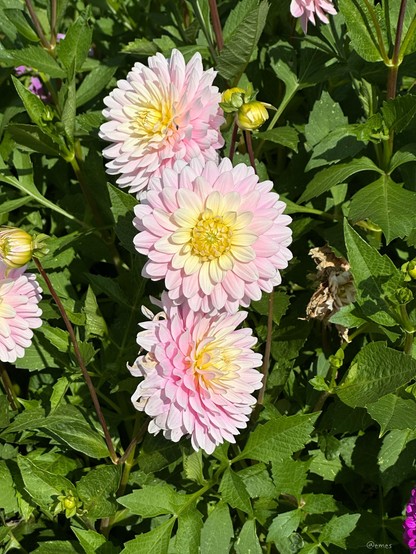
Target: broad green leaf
<point x="59" y="391"/>
<point x="94" y="83"/>
<point x="33" y="104"/>
<point x="281" y="303"/>
<point x="69" y="111"/>
<point x="152" y="501"/>
<point x="157" y="453"/>
<point x="393" y="412"/>
<point x="239" y="47"/>
<point x="338" y="529"/>
<point x="318" y="503"/>
<point x="236" y="17"/>
<point x="217" y="531"/>
<point x="289" y="476"/>
<point x="286" y="136"/>
<point x="324" y="180"/>
<point x="39" y="354"/>
<point x="279" y="438"/>
<point x="339" y="144"/>
<point x="282" y="530"/>
<point x="98" y="490"/>
<point x="141" y="47"/>
<point x="404" y="155"/>
<point x="326" y="116"/>
<point x="153" y="542"/>
<point x="393" y="445"/>
<point x="347" y="317"/>
<point x="248" y="541"/>
<point x="361" y="29"/>
<point x="54" y="546"/>
<point x="234" y="492"/>
<point x="188" y="536"/>
<point x="257" y="481"/>
<point x="43" y="486"/>
<point x="73" y="49"/>
<point x="374" y="372"/>
<point x="375" y="277"/>
<point x="78" y="435"/>
<point x="35" y="57"/>
<point x="11" y="205"/>
<point x="388" y="205"/>
<point x="110" y="288"/>
<point x="8" y="500"/>
<point x="56" y="336"/>
<point x="399" y="112"/>
<point x="93" y="542"/>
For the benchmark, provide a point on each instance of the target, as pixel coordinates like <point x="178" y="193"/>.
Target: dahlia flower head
<point x="307" y="9"/>
<point x="199" y="374"/>
<point x="19" y="311"/>
<point x="214" y="233"/>
<point x="409" y="525"/>
<point x="165" y="112"/>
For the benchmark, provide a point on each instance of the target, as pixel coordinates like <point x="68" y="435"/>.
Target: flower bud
<point x="232" y="99"/>
<point x="403" y="295"/>
<point x="16" y="247"/>
<point x="67" y="503"/>
<point x="252" y="115"/>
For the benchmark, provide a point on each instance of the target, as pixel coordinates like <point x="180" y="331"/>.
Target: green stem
<point x="394" y="68"/>
<point x="409" y="329"/>
<point x="382" y="48"/>
<point x="409" y="36"/>
<point x="36" y="24"/>
<point x="53" y="22"/>
<point x="8" y="387"/>
<point x="134" y="441"/>
<point x="200" y="18"/>
<point x="80" y="361"/>
<point x="233" y="139"/>
<point x="249" y="146"/>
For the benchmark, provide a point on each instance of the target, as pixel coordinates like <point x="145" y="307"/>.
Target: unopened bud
<point x="16" y="247"/>
<point x="252" y="115"/>
<point x="403" y="295"/>
<point x="410" y="269"/>
<point x="232" y="99"/>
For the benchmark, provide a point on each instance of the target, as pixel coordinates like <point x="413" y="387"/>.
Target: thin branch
<point x="266" y="360"/>
<point x="80" y="361"/>
<point x="136" y="439"/>
<point x="8" y="387"/>
<point x="216" y="23"/>
<point x="394" y="69"/>
<point x="37" y="24"/>
<point x="53" y="22"/>
<point x="249" y="145"/>
<point x="233" y="140"/>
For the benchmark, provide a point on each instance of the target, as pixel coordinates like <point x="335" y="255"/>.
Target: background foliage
<point x="329" y="463"/>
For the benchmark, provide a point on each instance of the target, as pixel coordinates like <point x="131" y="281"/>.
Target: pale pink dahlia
<point x="19" y="311"/>
<point x="165" y="112"/>
<point x="217" y="235"/>
<point x="199" y="375"/>
<point x="306" y="10"/>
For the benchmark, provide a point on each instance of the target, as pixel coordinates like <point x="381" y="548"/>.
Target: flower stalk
<point x="80" y="361"/>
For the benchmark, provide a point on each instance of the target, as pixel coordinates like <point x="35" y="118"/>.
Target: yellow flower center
<point x="153" y="120"/>
<point x="210" y="237"/>
<point x="214" y="363"/>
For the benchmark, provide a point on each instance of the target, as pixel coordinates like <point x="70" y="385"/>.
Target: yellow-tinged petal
<point x="204" y="279"/>
<point x="243" y="253"/>
<point x="192" y="264"/>
<point x="243" y="239"/>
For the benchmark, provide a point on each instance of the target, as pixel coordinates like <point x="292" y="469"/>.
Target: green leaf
<point x="93" y="542"/>
<point x="324" y="180"/>
<point x="73" y="49"/>
<point x="289" y="476"/>
<point x="27" y="186"/>
<point x="282" y="530"/>
<point x="17" y="17"/>
<point x="217" y="531"/>
<point x="281" y="302"/>
<point x="234" y="492"/>
<point x="33" y="138"/>
<point x="388" y="205"/>
<point x="239" y="47"/>
<point x="248" y="541"/>
<point x="189" y="531"/>
<point x="69" y="111"/>
<point x="399" y="112"/>
<point x="404" y="155"/>
<point x="95" y="324"/>
<point x="319" y="503"/>
<point x="279" y="439"/>
<point x="375" y="371"/>
<point x="152" y="501"/>
<point x="36" y="57"/>
<point x="347" y="317"/>
<point x="393" y="445"/>
<point x="286" y="136"/>
<point x="326" y="116"/>
<point x="8" y="500"/>
<point x="157" y="453"/>
<point x="338" y="529"/>
<point x="59" y="391"/>
<point x="257" y="481"/>
<point x="58" y="337"/>
<point x="54" y="546"/>
<point x="361" y="29"/>
<point x="375" y="277"/>
<point x="393" y="412"/>
<point x="43" y="486"/>
<point x="154" y="542"/>
<point x="193" y="467"/>
<point x="78" y="435"/>
<point x="140" y="47"/>
<point x="94" y="83"/>
<point x="33" y="104"/>
<point x="97" y="490"/>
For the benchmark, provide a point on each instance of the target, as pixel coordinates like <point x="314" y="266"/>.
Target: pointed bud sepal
<point x="252" y="115"/>
<point x="17" y="247"/>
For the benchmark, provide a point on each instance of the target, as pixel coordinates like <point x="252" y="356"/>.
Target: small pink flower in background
<point x="217" y="235"/>
<point x="409" y="524"/>
<point x="306" y="10"/>
<point x="19" y="311"/>
<point x="36" y="87"/>
<point x="159" y="114"/>
<point x="199" y="375"/>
